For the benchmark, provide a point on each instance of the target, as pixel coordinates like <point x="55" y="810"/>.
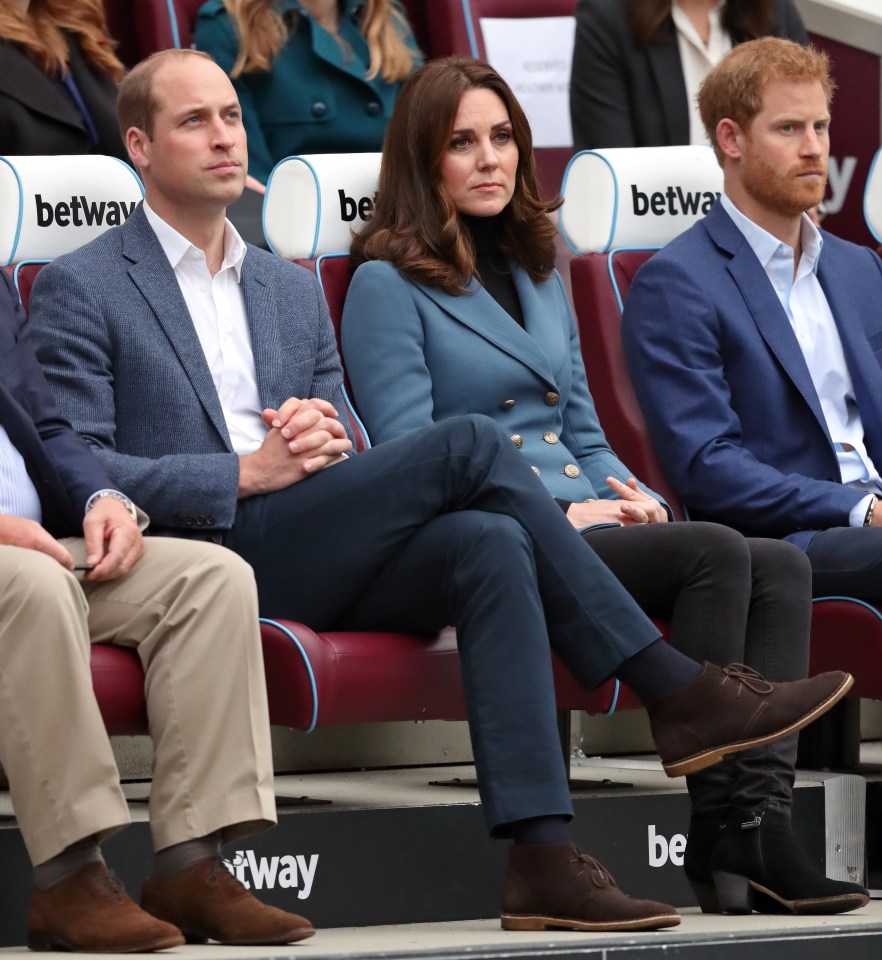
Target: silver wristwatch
<point x="114" y="495"/>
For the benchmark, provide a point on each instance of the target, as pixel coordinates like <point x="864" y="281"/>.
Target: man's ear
<point x="136" y="145"/>
<point x="730" y="138"/>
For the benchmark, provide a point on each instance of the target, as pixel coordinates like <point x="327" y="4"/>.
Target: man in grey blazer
<point x="204" y="372"/>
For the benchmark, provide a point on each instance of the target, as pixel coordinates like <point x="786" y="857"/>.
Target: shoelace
<point x="114" y="884"/>
<point x="597" y="872"/>
<point x="746" y="677"/>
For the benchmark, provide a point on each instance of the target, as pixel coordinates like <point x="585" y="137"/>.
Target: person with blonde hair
<point x="312" y="76"/>
<point x="58" y="73"/>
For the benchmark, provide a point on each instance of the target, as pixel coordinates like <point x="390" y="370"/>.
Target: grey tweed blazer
<point x="122" y="355"/>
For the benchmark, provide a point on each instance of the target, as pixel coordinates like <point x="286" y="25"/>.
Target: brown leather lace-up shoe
<point x="208" y="903"/>
<point x="91" y="912"/>
<point x="556" y="886"/>
<point x="732" y="708"/>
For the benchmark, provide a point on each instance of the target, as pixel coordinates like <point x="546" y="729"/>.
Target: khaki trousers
<point x="190" y="611"/>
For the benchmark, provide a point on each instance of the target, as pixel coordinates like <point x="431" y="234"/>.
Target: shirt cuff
<point x="859" y="511"/>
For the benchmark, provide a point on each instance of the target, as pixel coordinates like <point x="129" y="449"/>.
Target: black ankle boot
<point x="701" y="842"/>
<point x="758" y="865"/>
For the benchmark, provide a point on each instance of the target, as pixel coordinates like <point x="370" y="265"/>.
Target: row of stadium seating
<point x="50" y="205"/>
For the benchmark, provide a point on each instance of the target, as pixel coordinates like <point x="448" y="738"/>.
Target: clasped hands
<point x="303" y="436"/>
<point x="632" y="506"/>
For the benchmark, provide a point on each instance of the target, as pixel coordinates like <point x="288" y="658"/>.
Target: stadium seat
<point x="454" y="27"/>
<point x="620" y="206"/>
<point x="149" y="25"/>
<point x="312" y="207"/>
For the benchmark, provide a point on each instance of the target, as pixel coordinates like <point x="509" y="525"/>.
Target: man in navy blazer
<point x="755" y="340"/>
<point x="203" y="373"/>
<point x="75" y="570"/>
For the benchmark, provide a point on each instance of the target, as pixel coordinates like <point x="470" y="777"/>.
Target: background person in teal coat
<point x="314" y="76"/>
<point x="456" y="308"/>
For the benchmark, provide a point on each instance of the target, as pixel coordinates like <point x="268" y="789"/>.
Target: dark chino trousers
<point x="450" y="526"/>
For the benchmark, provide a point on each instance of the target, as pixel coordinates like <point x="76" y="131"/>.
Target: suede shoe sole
<point x="656" y="922"/>
<point x="767" y="901"/>
<point x="678" y="719"/>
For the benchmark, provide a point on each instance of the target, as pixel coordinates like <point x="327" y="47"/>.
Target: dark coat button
<point x="372" y="108"/>
<point x="190" y="522"/>
<point x="212" y="519"/>
<point x="319" y="108"/>
<point x="507" y="404"/>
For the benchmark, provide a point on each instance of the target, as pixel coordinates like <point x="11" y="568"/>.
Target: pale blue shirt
<point x="18" y="495"/>
<point x="802" y="297"/>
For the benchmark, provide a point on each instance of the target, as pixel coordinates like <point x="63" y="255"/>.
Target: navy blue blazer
<point x="724" y="387"/>
<point x="415" y="355"/>
<point x="59" y="463"/>
<point x="122" y="355"/>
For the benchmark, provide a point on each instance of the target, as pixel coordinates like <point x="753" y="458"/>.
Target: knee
<point x="781" y="563"/>
<point x="721" y="546"/>
<point x="500" y="535"/>
<point x="41" y="582"/>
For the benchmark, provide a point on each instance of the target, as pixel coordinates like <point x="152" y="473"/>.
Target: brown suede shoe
<point x="91" y="912"/>
<point x="208" y="903"/>
<point x="732" y="708"/>
<point x="556" y="886"/>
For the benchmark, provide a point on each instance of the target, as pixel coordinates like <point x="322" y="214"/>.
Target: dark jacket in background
<point x="623" y="95"/>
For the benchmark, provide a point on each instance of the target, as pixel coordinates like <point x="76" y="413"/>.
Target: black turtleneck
<point x="491" y="263"/>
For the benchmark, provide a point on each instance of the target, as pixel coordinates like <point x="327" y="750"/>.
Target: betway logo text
<point x="674" y="201"/>
<point x="350" y="208"/>
<point x="662" y="849"/>
<point x="264" y="873"/>
<point x="81" y="212"/>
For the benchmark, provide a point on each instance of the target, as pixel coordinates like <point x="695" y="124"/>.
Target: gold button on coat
<point x="552" y="398"/>
<point x="550" y="436"/>
<point x="517" y="440"/>
<point x="571" y="470"/>
<point x="507" y="404"/>
<point x="536" y="471"/>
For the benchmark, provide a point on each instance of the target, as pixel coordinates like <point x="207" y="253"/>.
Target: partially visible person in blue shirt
<point x="313" y="76"/>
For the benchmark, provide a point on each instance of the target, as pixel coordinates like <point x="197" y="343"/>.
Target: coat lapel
<point x="153" y="275"/>
<point x="764" y="308"/>
<point x="859" y="357"/>
<point x="482" y="314"/>
<point x="24" y="81"/>
<point x="261" y="309"/>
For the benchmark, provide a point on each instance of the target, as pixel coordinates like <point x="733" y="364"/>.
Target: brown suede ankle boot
<point x="732" y="708"/>
<point x="554" y="886"/>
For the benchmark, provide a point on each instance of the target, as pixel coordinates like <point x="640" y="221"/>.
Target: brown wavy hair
<point x="263" y="31"/>
<point x="39" y="34"/>
<point x="415" y="225"/>
<point x="743" y="19"/>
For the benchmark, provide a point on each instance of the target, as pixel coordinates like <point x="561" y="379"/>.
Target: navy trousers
<point x="451" y="526"/>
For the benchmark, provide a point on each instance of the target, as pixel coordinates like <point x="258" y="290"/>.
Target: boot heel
<point x="706" y="895"/>
<point x="734" y="892"/>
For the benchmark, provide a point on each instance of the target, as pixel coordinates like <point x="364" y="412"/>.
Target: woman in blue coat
<point x="456" y="308"/>
<point x="312" y="76"/>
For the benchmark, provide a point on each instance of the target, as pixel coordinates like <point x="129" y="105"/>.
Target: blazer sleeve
<point x="215" y="34"/>
<point x="76" y="348"/>
<point x="675" y="350"/>
<point x="384" y="352"/>
<point x="600" y="107"/>
<point x="80" y="473"/>
<point x="582" y="432"/>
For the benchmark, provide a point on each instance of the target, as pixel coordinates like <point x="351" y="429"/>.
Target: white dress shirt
<point x="18" y="495"/>
<point x="217" y="309"/>
<point x="699" y="58"/>
<point x="805" y="304"/>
